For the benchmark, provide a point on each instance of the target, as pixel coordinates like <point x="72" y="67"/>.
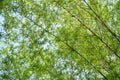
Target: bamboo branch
<point x="105" y="43"/>
<point x="103" y="23"/>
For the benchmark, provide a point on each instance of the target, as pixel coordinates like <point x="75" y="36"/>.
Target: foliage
<point x="60" y="40"/>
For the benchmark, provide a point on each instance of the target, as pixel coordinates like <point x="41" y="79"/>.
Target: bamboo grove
<point x="59" y="40"/>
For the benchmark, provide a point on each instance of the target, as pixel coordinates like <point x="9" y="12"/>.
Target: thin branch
<point x="103" y="23"/>
<point x="106" y="44"/>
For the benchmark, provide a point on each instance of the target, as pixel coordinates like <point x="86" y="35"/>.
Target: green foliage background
<point x="60" y="40"/>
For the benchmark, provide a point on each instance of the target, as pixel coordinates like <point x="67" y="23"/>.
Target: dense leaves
<point x="59" y="40"/>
